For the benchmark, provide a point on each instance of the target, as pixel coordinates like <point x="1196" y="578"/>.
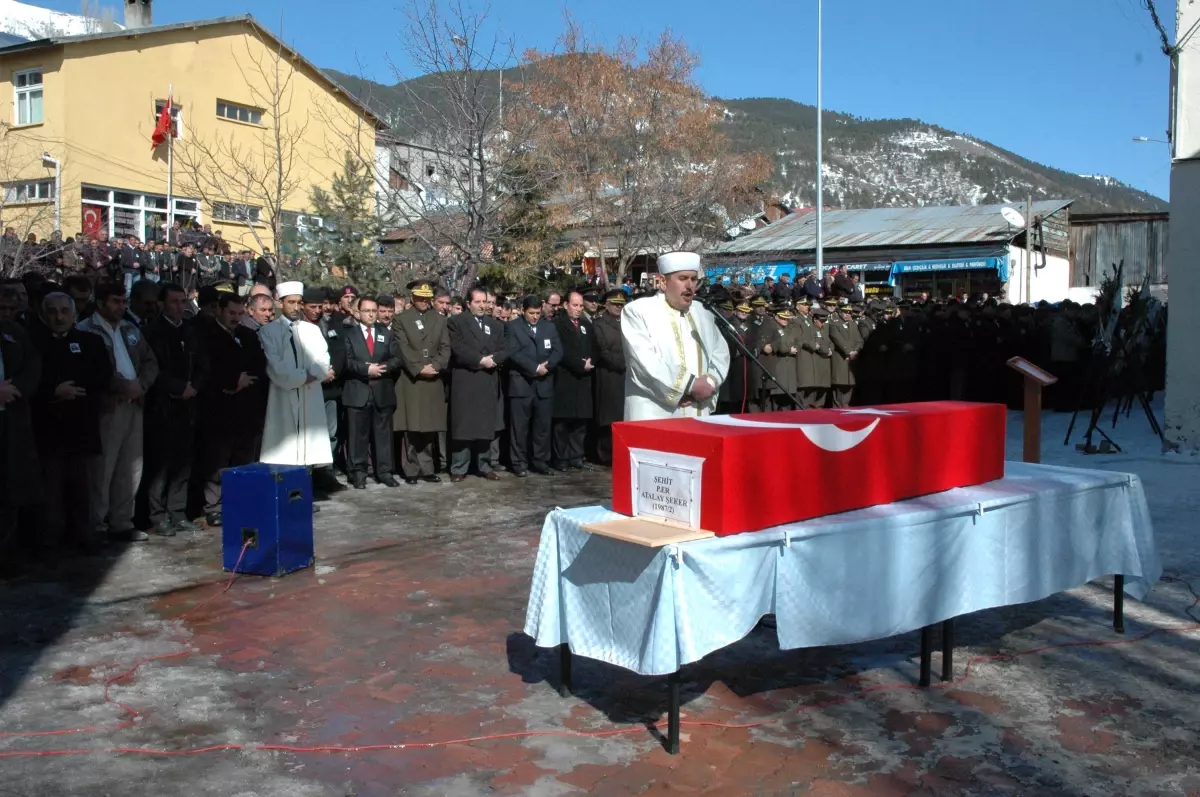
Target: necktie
<point x="370" y="342"/>
<point x="576" y="323"/>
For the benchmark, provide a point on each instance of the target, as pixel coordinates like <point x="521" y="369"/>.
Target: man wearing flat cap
<point x="675" y="354"/>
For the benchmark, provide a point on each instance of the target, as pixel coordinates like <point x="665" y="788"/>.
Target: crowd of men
<point x="190" y="256"/>
<point x="120" y="408"/>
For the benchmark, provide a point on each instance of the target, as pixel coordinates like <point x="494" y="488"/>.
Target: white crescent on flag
<point x="825" y="436"/>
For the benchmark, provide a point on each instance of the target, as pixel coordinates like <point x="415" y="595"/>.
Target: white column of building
<point x="1182" y="421"/>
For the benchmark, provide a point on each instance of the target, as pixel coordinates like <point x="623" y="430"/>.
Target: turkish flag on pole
<point x="163" y="128"/>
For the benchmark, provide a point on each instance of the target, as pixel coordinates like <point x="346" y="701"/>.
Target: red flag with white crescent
<point x="163" y="128"/>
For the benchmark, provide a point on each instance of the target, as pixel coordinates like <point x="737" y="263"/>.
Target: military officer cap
<point x="349" y="290"/>
<point x="225" y="287"/>
<point x="421" y="289"/>
<point x="615" y="296"/>
<point x="385" y="298"/>
<point x="313" y="295"/>
<point x="820" y="312"/>
<point x="830" y="302"/>
<point x="744" y="308"/>
<point x="726" y="305"/>
<point x="759" y="301"/>
<point x="784" y="311"/>
<point x="591" y="296"/>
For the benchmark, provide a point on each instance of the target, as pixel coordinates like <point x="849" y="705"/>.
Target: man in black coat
<point x="573" y="387"/>
<point x="740" y="387"/>
<point x="231" y="418"/>
<point x="476" y="353"/>
<point x="316" y="300"/>
<point x="610" y="372"/>
<point x="264" y="269"/>
<point x="369" y="394"/>
<point x="534" y="352"/>
<point x="20" y="474"/>
<point x="66" y="419"/>
<point x="172" y="411"/>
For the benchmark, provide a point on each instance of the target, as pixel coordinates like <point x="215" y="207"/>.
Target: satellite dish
<point x="1013" y="217"/>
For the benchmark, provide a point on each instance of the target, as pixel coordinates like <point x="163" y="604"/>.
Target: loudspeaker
<point x="268" y="509"/>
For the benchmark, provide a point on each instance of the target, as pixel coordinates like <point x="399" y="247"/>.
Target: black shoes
<point x="542" y="471"/>
<point x="410" y="480"/>
<point x="359" y="482"/>
<point x="212" y="519"/>
<point x="520" y="473"/>
<point x="432" y="479"/>
<point x="389" y="481"/>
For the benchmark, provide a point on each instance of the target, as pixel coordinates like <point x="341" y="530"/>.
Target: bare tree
<point x="253" y="170"/>
<point x="459" y="156"/>
<point x="27" y="210"/>
<point x="645" y="164"/>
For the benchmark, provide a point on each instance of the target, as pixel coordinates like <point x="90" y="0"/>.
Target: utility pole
<point x="820" y="182"/>
<point x="1029" y="249"/>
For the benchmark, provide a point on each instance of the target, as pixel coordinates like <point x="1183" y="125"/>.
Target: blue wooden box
<point x="270" y="507"/>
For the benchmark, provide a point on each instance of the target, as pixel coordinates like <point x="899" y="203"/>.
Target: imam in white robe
<point x="296" y="432"/>
<point x="664" y="351"/>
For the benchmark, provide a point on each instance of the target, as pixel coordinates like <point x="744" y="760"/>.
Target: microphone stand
<point x="733" y="335"/>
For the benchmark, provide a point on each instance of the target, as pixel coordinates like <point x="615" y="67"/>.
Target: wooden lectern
<point x="1035" y="380"/>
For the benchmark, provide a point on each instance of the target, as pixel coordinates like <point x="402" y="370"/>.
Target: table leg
<point x="1119" y="604"/>
<point x="673" y="713"/>
<point x="948" y="649"/>
<point x="926" y="654"/>
<point x="564" y="670"/>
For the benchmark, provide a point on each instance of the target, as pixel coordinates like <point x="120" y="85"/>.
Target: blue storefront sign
<point x="998" y="264"/>
<point x="756" y="273"/>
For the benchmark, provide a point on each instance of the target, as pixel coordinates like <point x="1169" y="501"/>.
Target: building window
<point x="125" y="213"/>
<point x="29" y="191"/>
<point x="230" y="211"/>
<point x="28" y="88"/>
<point x="176" y="116"/>
<point x="296" y="229"/>
<point x="239" y="113"/>
<point x="397" y="181"/>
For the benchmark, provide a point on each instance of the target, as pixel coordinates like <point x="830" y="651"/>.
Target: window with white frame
<point x="232" y="211"/>
<point x="29" y="191"/>
<point x="239" y="113"/>
<point x="27" y="86"/>
<point x="176" y="116"/>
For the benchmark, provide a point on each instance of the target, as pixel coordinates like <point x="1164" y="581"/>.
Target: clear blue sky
<point x="1067" y="83"/>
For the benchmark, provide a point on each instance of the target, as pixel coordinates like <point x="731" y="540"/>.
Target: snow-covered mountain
<point x="34" y="22"/>
<point x="907" y="163"/>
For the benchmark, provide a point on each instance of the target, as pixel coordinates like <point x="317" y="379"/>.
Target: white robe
<point x="296" y="432"/>
<point x="664" y="350"/>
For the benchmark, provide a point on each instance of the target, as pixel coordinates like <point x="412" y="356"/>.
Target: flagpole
<point x="170" y="161"/>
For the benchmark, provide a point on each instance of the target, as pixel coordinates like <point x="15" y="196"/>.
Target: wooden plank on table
<point x="645" y="531"/>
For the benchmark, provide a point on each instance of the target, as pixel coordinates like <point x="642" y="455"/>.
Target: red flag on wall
<point x="163" y="128"/>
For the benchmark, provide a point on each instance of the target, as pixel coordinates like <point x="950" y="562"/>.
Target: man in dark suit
<point x="264" y="269"/>
<point x="66" y="419"/>
<point x="172" y="411"/>
<point x="476" y="353"/>
<point x="334" y="331"/>
<point x="534" y="352"/>
<point x="369" y="394"/>
<point x="573" y="390"/>
<point x="610" y="372"/>
<point x="230" y="416"/>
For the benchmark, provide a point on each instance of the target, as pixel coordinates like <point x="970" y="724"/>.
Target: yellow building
<point x="257" y="125"/>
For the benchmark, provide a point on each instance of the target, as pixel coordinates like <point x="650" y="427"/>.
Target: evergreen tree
<point x="345" y="246"/>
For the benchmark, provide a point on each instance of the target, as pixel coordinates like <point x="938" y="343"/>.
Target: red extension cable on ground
<point x="134" y="714"/>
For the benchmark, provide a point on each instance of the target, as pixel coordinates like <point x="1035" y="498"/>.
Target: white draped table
<point x="853" y="577"/>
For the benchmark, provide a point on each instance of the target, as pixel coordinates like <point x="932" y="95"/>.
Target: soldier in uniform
<point x="739" y="390"/>
<point x="806" y="359"/>
<point x="610" y="372"/>
<point x="755" y="386"/>
<point x="779" y="346"/>
<point x="818" y="393"/>
<point x="843" y="335"/>
<point x="420" y="391"/>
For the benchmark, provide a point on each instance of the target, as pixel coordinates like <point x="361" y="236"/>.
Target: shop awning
<point x="998" y="264"/>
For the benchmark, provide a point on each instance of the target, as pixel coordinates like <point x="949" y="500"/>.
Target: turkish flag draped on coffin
<point x="768" y="469"/>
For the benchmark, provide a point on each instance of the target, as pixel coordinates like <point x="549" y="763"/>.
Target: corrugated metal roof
<point x="870" y="227"/>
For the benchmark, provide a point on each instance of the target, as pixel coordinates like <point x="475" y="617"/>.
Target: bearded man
<point x="676" y="356"/>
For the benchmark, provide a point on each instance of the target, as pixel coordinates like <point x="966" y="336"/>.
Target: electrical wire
<point x="416" y="745"/>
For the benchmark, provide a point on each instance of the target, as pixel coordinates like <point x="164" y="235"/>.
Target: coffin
<point x="735" y="473"/>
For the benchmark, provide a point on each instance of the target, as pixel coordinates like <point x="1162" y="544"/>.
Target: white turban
<point x="678" y="261"/>
<point x="284" y="289"/>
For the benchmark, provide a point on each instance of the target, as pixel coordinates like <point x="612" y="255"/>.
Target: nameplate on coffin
<point x="666" y="486"/>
